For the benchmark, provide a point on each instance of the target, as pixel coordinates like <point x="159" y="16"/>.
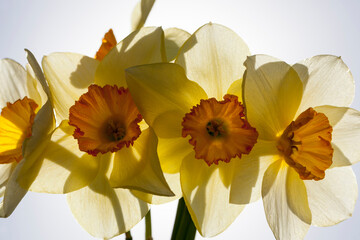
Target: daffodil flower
<point x="21" y="126"/>
<point x="200" y="123"/>
<point x="101" y="148"/>
<point x="306" y="135"/>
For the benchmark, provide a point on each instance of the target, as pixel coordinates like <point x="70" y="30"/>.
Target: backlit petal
<point x="13" y="82"/>
<point x="206" y="196"/>
<point x="174" y="182"/>
<point x="140" y="13"/>
<point x="60" y="167"/>
<point x="273" y="93"/>
<point x="213" y="57"/>
<point x="140" y="47"/>
<point x="13" y="193"/>
<point x="327" y="81"/>
<point x="174" y="39"/>
<point x="138" y="167"/>
<point x="332" y="199"/>
<point x="249" y="172"/>
<point x="279" y="204"/>
<point x="105" y="212"/>
<point x="68" y="76"/>
<point x="163" y="95"/>
<point x="346" y="131"/>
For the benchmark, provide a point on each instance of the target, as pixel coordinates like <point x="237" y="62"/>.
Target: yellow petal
<point x="213" y="57"/>
<point x="346" y="131"/>
<point x="273" y="93"/>
<point x="249" y="172"/>
<point x="140" y="47"/>
<point x="332" y="199"/>
<point x="35" y="89"/>
<point x="162" y="90"/>
<point x="206" y="196"/>
<point x="13" y="82"/>
<point x="174" y="182"/>
<point x="174" y="39"/>
<point x="172" y="151"/>
<point x="141" y="13"/>
<point x="327" y="81"/>
<point x="57" y="165"/>
<point x="138" y="167"/>
<point x="105" y="212"/>
<point x="13" y="193"/>
<point x="284" y="223"/>
<point x="5" y="172"/>
<point x="68" y="76"/>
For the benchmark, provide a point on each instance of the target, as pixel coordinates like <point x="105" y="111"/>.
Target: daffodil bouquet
<point x="165" y="115"/>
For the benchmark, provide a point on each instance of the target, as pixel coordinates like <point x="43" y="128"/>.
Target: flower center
<point x="218" y="130"/>
<point x="306" y="145"/>
<point x="16" y="121"/>
<point x="106" y="119"/>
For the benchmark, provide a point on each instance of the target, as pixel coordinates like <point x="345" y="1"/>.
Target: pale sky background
<point x="289" y="30"/>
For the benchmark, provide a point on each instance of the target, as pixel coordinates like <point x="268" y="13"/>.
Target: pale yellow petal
<point x="172" y="151"/>
<point x="174" y="182"/>
<point x="327" y="81"/>
<point x="284" y="223"/>
<point x="138" y="167"/>
<point x="140" y="47"/>
<point x="206" y="196"/>
<point x="5" y="172"/>
<point x="13" y="193"/>
<point x="213" y="57"/>
<point x="35" y="89"/>
<point x="273" y="93"/>
<point x="13" y="82"/>
<point x="105" y="212"/>
<point x="346" y="131"/>
<point x="68" y="76"/>
<point x="141" y="13"/>
<point x="249" y="172"/>
<point x="332" y="199"/>
<point x="174" y="39"/>
<point x="163" y="95"/>
<point x="60" y="167"/>
<point x="34" y="68"/>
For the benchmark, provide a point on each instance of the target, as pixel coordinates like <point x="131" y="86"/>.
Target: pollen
<point x="218" y="130"/>
<point x="16" y="121"/>
<point x="306" y="145"/>
<point x="108" y="42"/>
<point x="105" y="119"/>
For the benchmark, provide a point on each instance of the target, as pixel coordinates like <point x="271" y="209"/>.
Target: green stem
<point x="128" y="235"/>
<point x="185" y="229"/>
<point x="148" y="234"/>
<point x="179" y="211"/>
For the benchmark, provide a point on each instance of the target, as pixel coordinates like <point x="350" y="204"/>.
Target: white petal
<point x="68" y="76"/>
<point x="327" y="81"/>
<point x="105" y="212"/>
<point x="249" y="172"/>
<point x="174" y="182"/>
<point x="12" y="81"/>
<point x="346" y="131"/>
<point x="332" y="199"/>
<point x="207" y="196"/>
<point x="280" y="215"/>
<point x="174" y="39"/>
<point x="13" y="193"/>
<point x="140" y="13"/>
<point x="213" y="57"/>
<point x="272" y="94"/>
